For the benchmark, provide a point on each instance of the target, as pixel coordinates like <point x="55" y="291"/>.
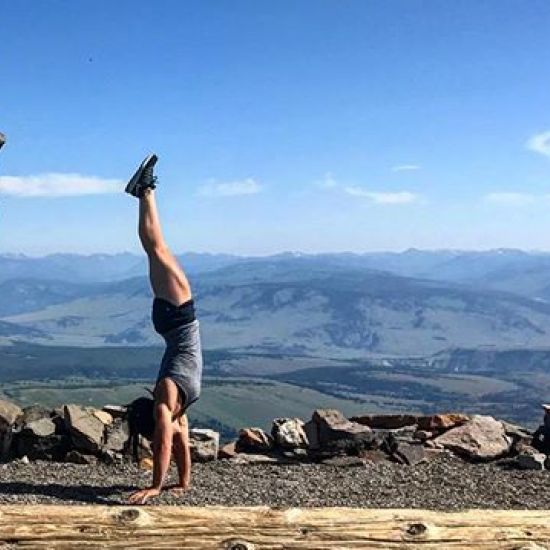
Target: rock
<point x="109" y="456"/>
<point x="441" y="422"/>
<point x="531" y="461"/>
<point x="374" y="456"/>
<point x="105" y="417"/>
<point x="546" y="408"/>
<point x="146" y="463"/>
<point x="24" y="459"/>
<point x="37" y="439"/>
<point x="86" y="430"/>
<point x="228" y="450"/>
<point x="76" y="457"/>
<point x="337" y="433"/>
<point x="41" y="427"/>
<point x="296" y="455"/>
<point x="481" y="438"/>
<point x="423" y="435"/>
<point x="116" y="435"/>
<point x="251" y="458"/>
<point x="398" y="434"/>
<point x="345" y="461"/>
<point x="289" y="433"/>
<point x="253" y="440"/>
<point x="8" y="414"/>
<point x="311" y="430"/>
<point x="409" y="454"/>
<point x="204" y="443"/>
<point x="434" y="445"/>
<point x="116" y="411"/>
<point x="31" y="414"/>
<point x="385" y="421"/>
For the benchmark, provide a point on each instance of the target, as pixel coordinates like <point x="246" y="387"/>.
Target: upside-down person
<point x="179" y="379"/>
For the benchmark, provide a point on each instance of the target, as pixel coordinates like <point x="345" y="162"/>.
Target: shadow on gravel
<point x="84" y="493"/>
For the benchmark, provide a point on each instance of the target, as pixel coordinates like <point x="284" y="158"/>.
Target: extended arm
<point x="162" y="450"/>
<point x="182" y="452"/>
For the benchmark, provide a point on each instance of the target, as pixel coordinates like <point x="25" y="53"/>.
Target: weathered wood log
<point x="247" y="528"/>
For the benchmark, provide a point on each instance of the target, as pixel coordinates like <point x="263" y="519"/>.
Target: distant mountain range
<point x="511" y="270"/>
<point x="338" y="305"/>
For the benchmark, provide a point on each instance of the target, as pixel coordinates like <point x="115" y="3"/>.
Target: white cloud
<point x="405" y="167"/>
<point x="57" y="185"/>
<point x="540" y="143"/>
<point x="399" y="197"/>
<point x="248" y="186"/>
<point x="510" y="198"/>
<point x="328" y="182"/>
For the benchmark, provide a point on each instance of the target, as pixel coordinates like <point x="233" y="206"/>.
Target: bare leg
<point x="168" y="280"/>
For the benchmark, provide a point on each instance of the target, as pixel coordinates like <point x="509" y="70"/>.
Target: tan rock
<point x="85" y="428"/>
<point x="481" y="438"/>
<point x="441" y="422"/>
<point x="254" y="440"/>
<point x="228" y="450"/>
<point x="9" y="411"/>
<point x="146" y="463"/>
<point x="105" y="417"/>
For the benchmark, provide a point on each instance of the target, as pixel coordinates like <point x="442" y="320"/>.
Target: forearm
<point x="182" y="451"/>
<point x="162" y="450"/>
<point x="182" y="454"/>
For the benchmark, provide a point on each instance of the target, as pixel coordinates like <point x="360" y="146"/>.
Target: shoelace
<point x="147" y="178"/>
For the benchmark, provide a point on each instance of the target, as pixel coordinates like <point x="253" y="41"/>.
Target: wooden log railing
<point x="248" y="528"/>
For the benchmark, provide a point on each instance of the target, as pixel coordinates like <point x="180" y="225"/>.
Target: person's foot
<point x="2" y="139"/>
<point x="143" y="178"/>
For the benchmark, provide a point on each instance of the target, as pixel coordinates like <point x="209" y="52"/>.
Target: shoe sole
<point x="133" y="183"/>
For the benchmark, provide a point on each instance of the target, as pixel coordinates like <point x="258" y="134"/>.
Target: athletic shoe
<point x="143" y="177"/>
<point x="2" y="139"/>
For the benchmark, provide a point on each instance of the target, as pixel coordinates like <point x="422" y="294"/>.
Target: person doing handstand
<point x="178" y="382"/>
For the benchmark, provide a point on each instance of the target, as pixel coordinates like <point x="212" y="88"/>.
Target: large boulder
<point x="253" y="440"/>
<point x="335" y="433"/>
<point x="289" y="433"/>
<point x="204" y="444"/>
<point x="481" y="438"/>
<point x="85" y="429"/>
<point x="8" y="414"/>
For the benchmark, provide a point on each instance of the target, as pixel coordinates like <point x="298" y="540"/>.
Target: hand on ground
<point x="139" y="497"/>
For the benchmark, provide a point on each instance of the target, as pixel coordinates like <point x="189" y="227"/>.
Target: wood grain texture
<point x="252" y="528"/>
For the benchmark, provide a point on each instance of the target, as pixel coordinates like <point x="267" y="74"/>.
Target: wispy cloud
<point x="378" y="197"/>
<point x="405" y="167"/>
<point x="327" y="182"/>
<point x="540" y="143"/>
<point x="247" y="186"/>
<point x="57" y="185"/>
<point x="512" y="198"/>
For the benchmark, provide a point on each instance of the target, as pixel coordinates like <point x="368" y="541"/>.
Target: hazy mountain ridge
<point x="288" y="304"/>
<point x="517" y="271"/>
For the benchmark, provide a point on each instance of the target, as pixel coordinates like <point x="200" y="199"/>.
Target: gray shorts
<point x="182" y="361"/>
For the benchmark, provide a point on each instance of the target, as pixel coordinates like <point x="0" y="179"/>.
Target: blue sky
<point x="290" y="125"/>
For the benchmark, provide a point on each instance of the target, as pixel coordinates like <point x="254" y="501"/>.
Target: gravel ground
<point x="445" y="483"/>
